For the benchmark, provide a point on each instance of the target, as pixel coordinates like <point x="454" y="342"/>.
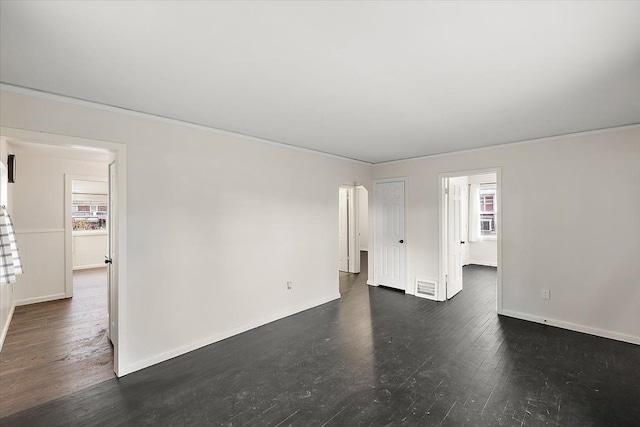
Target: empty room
<point x="319" y="213"/>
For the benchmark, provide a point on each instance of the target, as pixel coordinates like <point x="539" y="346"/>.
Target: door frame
<point x="442" y="231"/>
<point x="407" y="289"/>
<point x="68" y="227"/>
<point x="353" y="224"/>
<point x="117" y="153"/>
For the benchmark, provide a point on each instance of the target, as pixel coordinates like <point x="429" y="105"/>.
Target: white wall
<point x="363" y="218"/>
<point x="485" y="251"/>
<point x="217" y="224"/>
<point x="552" y="235"/>
<point x="38" y="217"/>
<point x="89" y="248"/>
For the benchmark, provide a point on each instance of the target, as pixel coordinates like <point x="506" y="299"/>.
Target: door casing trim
<point x="442" y="206"/>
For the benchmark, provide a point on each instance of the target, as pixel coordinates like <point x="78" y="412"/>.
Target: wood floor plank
<point x="55" y="348"/>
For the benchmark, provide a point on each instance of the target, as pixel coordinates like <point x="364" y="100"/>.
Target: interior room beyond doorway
<point x="56" y="345"/>
<point x="470" y="226"/>
<point x="353" y="227"/>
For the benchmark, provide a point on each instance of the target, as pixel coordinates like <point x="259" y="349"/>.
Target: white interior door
<point x="464" y="212"/>
<point x="353" y="221"/>
<point x="454" y="238"/>
<point x="343" y="230"/>
<point x="111" y="258"/>
<point x="390" y="249"/>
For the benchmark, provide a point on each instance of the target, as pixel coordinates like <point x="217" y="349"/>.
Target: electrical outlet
<point x="289" y="285"/>
<point x="546" y="294"/>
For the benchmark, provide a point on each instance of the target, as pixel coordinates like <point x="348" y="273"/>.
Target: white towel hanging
<point x="10" y="264"/>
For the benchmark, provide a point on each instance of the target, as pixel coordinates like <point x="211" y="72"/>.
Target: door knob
<point x="401" y="241"/>
<point x="108" y="260"/>
<point x="462" y="243"/>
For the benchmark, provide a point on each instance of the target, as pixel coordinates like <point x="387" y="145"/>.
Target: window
<point x="487" y="212"/>
<point x="89" y="215"/>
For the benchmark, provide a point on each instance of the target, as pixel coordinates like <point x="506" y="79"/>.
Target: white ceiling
<point x="89" y="187"/>
<point x="374" y="81"/>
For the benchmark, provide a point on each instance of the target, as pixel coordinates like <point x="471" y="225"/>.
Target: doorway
<point x="470" y="224"/>
<point x="353" y="231"/>
<point x="114" y="159"/>
<point x="88" y="204"/>
<point x="60" y="197"/>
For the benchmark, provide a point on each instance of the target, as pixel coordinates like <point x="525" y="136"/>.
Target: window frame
<point x="493" y="189"/>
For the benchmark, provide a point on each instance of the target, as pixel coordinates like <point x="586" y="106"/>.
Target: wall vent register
<point x="427" y="289"/>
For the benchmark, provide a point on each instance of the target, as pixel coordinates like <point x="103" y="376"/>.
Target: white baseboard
<point x="486" y="264"/>
<point x="572" y="326"/>
<point x="36" y="300"/>
<point x="136" y="366"/>
<point x="5" y="330"/>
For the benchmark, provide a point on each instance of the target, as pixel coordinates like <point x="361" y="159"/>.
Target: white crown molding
<point x="133" y="113"/>
<point x="516" y="143"/>
<point x="6" y="87"/>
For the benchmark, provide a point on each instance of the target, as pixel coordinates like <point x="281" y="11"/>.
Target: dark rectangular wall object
<point x="11" y="168"/>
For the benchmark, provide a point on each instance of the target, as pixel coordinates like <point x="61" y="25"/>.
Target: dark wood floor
<point x="55" y="348"/>
<point x="377" y="357"/>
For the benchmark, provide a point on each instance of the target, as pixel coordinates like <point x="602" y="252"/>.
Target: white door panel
<point x="389" y="234"/>
<point x="454" y="239"/>
<point x="112" y="277"/>
<point x="343" y="230"/>
<point x="465" y="223"/>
